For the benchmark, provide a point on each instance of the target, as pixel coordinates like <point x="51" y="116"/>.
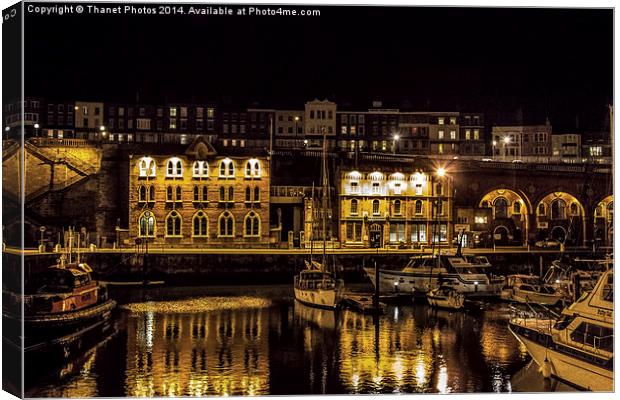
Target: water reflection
<point x="220" y="352"/>
<point x="205" y="346"/>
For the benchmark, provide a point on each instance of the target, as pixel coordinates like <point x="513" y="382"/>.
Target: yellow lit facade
<point x="396" y="208"/>
<point x="199" y="199"/>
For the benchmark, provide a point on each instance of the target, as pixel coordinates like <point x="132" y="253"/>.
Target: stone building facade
<point x="199" y="198"/>
<point x="395" y="208"/>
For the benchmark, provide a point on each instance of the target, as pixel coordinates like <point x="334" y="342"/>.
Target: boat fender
<point x="546" y="368"/>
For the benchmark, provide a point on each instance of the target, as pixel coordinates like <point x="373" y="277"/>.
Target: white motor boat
<point x="317" y="288"/>
<point x="530" y="289"/>
<point x="426" y="272"/>
<point x="578" y="347"/>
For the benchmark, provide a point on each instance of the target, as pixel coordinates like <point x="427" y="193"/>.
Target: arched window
<point x="146" y="167"/>
<point x="541" y="209"/>
<point x="169" y="194"/>
<point x="375" y="207"/>
<point x="354" y="207"/>
<point x="248" y="194"/>
<point x="558" y="209"/>
<point x="151" y="193"/>
<point x="173" y="224"/>
<point x="231" y="194"/>
<point x="516" y="207"/>
<point x="196" y="194"/>
<point x="397" y="207"/>
<point x="256" y="194"/>
<point x="142" y="193"/>
<point x="174" y="168"/>
<point x="226" y="225"/>
<point x="227" y="168"/>
<point x="178" y="194"/>
<point x="252" y="168"/>
<point x="251" y="225"/>
<point x="205" y="194"/>
<point x="439" y="189"/>
<point x="200" y="169"/>
<point x="222" y="194"/>
<point x="598" y="212"/>
<point x="200" y="224"/>
<point x="574" y="209"/>
<point x="418" y="207"/>
<point x="146" y="224"/>
<point x="439" y="207"/>
<point x="501" y="208"/>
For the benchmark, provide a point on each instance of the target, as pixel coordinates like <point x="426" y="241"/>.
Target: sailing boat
<point x="316" y="286"/>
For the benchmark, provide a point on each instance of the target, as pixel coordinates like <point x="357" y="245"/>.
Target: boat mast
<point x="325" y="183"/>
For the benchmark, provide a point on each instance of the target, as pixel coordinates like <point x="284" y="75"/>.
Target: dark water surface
<point x="258" y="340"/>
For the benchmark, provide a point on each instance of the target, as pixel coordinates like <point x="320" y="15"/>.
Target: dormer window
<point x="174" y="168"/>
<point x="200" y="169"/>
<point x="252" y="168"/>
<point x="354" y="187"/>
<point x="146" y="167"/>
<point x="227" y="168"/>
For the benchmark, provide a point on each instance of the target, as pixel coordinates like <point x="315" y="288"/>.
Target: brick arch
<point x="517" y="192"/>
<point x="512" y="222"/>
<point x="552" y="196"/>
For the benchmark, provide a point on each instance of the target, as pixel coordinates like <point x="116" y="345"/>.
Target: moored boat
<point x="61" y="304"/>
<point x="426" y="272"/>
<point x="446" y="296"/>
<point x="578" y="347"/>
<point x="318" y="288"/>
<point x="530" y="289"/>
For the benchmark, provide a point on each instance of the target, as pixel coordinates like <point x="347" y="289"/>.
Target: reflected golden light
<point x="200" y="304"/>
<point x="442" y="380"/>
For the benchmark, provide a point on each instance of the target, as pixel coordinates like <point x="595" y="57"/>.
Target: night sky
<point x="548" y="62"/>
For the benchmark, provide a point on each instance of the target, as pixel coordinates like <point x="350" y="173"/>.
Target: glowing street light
<point x="507" y="139"/>
<point x="102" y="128"/>
<point x="396" y="138"/>
<point x="441" y="172"/>
<point x="36" y="126"/>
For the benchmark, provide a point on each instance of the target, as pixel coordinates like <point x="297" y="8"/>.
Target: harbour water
<point x="256" y="340"/>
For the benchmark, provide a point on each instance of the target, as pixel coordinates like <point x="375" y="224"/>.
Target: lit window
<point x="226" y="225"/>
<point x="173" y="224"/>
<point x="227" y="168"/>
<point x="252" y="168"/>
<point x="418" y="207"/>
<point x="440" y="148"/>
<point x="146" y="224"/>
<point x="200" y="224"/>
<point x="354" y="187"/>
<point x="452" y="120"/>
<point x="173" y="111"/>
<point x="146" y="166"/>
<point x="541" y="209"/>
<point x="251" y="225"/>
<point x="440" y="134"/>
<point x="397" y="207"/>
<point x="174" y="168"/>
<point x="354" y="207"/>
<point x="467" y="134"/>
<point x="376" y="188"/>
<point x="142" y="194"/>
<point x="453" y="135"/>
<point x="476" y="134"/>
<point x="441" y="120"/>
<point x="375" y="207"/>
<point x="201" y="169"/>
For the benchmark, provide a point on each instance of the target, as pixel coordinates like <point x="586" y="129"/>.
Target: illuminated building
<point x="381" y="208"/>
<point x="199" y="198"/>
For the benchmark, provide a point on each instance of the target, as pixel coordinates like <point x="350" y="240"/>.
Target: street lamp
<point x="396" y="138"/>
<point x="506" y="142"/>
<point x="7" y="129"/>
<point x="494" y="144"/>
